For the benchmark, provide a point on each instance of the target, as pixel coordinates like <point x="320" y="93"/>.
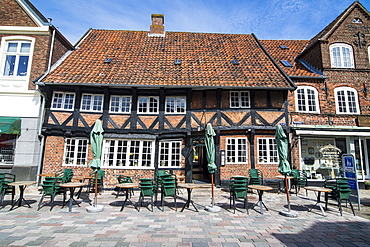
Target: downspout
<point x="51" y="50"/>
<point x="40" y="135"/>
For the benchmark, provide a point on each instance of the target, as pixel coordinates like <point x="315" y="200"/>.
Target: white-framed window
<point x="17" y="56"/>
<point x="128" y="153"/>
<point x="346" y="100"/>
<point x="120" y="104"/>
<point x="92" y="102"/>
<point x="237" y="150"/>
<point x="341" y="56"/>
<point x="169" y="154"/>
<point x="75" y="152"/>
<point x="175" y="104"/>
<point x="307" y="99"/>
<point x="148" y="104"/>
<point x="267" y="151"/>
<point x="63" y="101"/>
<point x="7" y="148"/>
<point x="240" y="99"/>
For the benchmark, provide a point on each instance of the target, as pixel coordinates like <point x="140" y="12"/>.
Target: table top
<point x="260" y="187"/>
<point x="190" y="186"/>
<point x="82" y="177"/>
<point x="22" y="183"/>
<point x="47" y="175"/>
<point x="71" y="185"/>
<point x="283" y="177"/>
<point x="127" y="185"/>
<point x="320" y="189"/>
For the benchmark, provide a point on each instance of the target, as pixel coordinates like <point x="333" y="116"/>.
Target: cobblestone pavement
<point x="28" y="227"/>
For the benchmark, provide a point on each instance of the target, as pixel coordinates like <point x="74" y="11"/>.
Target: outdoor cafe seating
<point x="168" y="189"/>
<point x="299" y="179"/>
<point x="51" y="188"/>
<point x="341" y="192"/>
<point x="238" y="190"/>
<point x="255" y="177"/>
<point x="147" y="190"/>
<point x="5" y="189"/>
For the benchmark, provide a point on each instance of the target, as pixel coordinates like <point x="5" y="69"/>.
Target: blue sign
<point x="350" y="170"/>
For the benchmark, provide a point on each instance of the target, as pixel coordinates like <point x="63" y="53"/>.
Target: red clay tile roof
<point x="139" y="60"/>
<point x="295" y="47"/>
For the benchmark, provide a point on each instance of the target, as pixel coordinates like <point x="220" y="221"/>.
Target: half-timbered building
<point x="155" y="92"/>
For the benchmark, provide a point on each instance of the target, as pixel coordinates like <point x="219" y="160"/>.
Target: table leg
<point x="260" y="202"/>
<point x="22" y="188"/>
<point x="71" y="199"/>
<point x="318" y="202"/>
<point x="127" y="199"/>
<point x="187" y="203"/>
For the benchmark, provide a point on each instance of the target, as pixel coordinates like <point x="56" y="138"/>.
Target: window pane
<point x="143" y="104"/>
<point x="57" y="100"/>
<point x="12" y="47"/>
<point x="7" y="148"/>
<point x="126" y="104"/>
<point x="153" y="106"/>
<point x="301" y="100"/>
<point x="180" y="105"/>
<point x="9" y="65"/>
<point x="351" y="102"/>
<point x="98" y="103"/>
<point x="336" y="57"/>
<point x="170" y="104"/>
<point x="25" y="47"/>
<point x="22" y="66"/>
<point x="86" y="102"/>
<point x="244" y="99"/>
<point x="346" y="57"/>
<point x="68" y="101"/>
<point x="234" y="99"/>
<point x="114" y="104"/>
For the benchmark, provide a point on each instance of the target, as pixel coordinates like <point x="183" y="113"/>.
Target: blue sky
<point x="267" y="19"/>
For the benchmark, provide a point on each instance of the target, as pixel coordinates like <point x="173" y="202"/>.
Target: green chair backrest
<point x="124" y="179"/>
<point x="255" y="176"/>
<point x="8" y="178"/>
<point x="147" y="190"/>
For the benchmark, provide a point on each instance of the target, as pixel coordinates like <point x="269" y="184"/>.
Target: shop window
<point x="346" y="100"/>
<point x="17" y="55"/>
<point x="75" y="152"/>
<point x="267" y="151"/>
<point x="236" y="150"/>
<point x="341" y="56"/>
<point x="92" y="102"/>
<point x="148" y="105"/>
<point x="120" y="104"/>
<point x="175" y="104"/>
<point x="307" y="99"/>
<point x="7" y="148"/>
<point x="63" y="101"/>
<point x="170" y="154"/>
<point x="122" y="153"/>
<point x="239" y="99"/>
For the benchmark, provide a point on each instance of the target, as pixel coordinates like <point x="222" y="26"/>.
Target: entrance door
<point x="200" y="169"/>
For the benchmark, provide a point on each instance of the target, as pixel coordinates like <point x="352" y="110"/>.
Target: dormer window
<point x="357" y="20"/>
<point x="341" y="56"/>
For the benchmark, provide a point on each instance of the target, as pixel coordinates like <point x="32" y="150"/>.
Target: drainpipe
<point x="40" y="135"/>
<point x="51" y="47"/>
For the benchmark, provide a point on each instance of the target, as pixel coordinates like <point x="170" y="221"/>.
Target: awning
<point x="10" y="125"/>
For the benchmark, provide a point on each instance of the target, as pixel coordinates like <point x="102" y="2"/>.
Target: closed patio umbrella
<point x="96" y="141"/>
<point x="212" y="168"/>
<point x="284" y="166"/>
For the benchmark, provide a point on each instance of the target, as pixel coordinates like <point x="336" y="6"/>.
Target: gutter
<point x="275" y="63"/>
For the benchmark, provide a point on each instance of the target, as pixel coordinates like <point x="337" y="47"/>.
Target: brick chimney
<point x="157" y="27"/>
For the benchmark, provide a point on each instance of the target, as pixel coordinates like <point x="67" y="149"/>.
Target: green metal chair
<point x="239" y="190"/>
<point x="169" y="189"/>
<point x="5" y="189"/>
<point x="147" y="189"/>
<point x="299" y="179"/>
<point x="51" y="188"/>
<point x="255" y="176"/>
<point x="343" y="193"/>
<point x="64" y="175"/>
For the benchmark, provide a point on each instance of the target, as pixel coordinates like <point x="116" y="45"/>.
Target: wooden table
<point x="260" y="189"/>
<point x="318" y="195"/>
<point x="283" y="177"/>
<point x="72" y="187"/>
<point x="126" y="187"/>
<point x="189" y="187"/>
<point x="81" y="179"/>
<point x="47" y="175"/>
<point x="22" y="186"/>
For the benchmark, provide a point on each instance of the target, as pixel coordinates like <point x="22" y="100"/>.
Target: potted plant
<point x="367" y="184"/>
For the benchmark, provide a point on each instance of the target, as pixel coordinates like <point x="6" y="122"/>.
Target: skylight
<point x="235" y="62"/>
<point x="286" y="63"/>
<point x="107" y="60"/>
<point x="177" y="61"/>
<point x="284" y="47"/>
